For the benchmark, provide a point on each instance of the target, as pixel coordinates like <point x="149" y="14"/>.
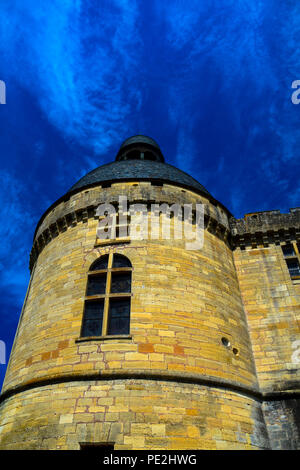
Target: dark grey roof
<point x="138" y="170"/>
<point x="140" y="139"/>
<point x="137" y="141"/>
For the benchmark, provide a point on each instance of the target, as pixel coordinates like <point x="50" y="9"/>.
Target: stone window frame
<point x="118" y="226"/>
<point x="295" y="256"/>
<point x="107" y="296"/>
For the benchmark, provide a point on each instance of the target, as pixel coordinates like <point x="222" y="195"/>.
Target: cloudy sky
<point x="209" y="80"/>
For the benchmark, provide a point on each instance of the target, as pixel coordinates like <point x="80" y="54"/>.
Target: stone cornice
<point x="62" y="224"/>
<point x="182" y="377"/>
<point x="257" y="229"/>
<point x="212" y="224"/>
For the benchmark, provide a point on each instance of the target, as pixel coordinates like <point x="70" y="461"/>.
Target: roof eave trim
<point x="70" y="193"/>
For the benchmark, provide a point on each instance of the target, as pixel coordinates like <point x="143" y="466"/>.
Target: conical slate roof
<point x="139" y="159"/>
<point x="138" y="170"/>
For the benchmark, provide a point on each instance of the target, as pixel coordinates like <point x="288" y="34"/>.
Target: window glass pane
<point x="100" y="263"/>
<point x="120" y="282"/>
<point x="92" y="319"/>
<point x="293" y="266"/>
<point x="120" y="261"/>
<point x="288" y="250"/>
<point x="119" y="316"/>
<point x="96" y="285"/>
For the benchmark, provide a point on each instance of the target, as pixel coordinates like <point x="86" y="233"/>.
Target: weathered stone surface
<point x="65" y="424"/>
<point x="212" y="336"/>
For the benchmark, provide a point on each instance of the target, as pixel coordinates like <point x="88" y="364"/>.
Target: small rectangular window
<point x="288" y="250"/>
<point x="93" y="317"/>
<point x="293" y="266"/>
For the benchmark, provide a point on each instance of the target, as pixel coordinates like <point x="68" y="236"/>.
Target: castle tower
<point x="126" y="341"/>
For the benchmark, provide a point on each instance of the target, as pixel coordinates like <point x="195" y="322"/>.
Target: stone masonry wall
<point x="131" y="414"/>
<point x="272" y="306"/>
<point x="184" y="305"/>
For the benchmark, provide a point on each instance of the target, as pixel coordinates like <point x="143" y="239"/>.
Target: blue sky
<point x="209" y="80"/>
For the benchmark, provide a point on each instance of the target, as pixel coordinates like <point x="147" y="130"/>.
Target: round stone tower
<point x="132" y="340"/>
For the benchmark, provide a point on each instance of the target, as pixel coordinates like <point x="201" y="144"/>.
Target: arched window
<point x="108" y="295"/>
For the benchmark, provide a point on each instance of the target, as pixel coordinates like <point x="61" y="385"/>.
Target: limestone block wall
<point x="131" y="414"/>
<point x="272" y="306"/>
<point x="168" y="332"/>
<point x="187" y="325"/>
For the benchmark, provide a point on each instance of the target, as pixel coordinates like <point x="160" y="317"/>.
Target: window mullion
<point x="296" y="250"/>
<point x="107" y="292"/>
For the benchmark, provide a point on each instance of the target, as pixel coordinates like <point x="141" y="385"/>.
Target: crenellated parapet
<point x="265" y="228"/>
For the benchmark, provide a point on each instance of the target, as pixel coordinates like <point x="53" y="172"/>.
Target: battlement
<point x="266" y="227"/>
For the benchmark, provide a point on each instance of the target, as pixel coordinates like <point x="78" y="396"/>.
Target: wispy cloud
<point x="231" y="95"/>
<point x="209" y="80"/>
<point x="77" y="58"/>
<point x="16" y="237"/>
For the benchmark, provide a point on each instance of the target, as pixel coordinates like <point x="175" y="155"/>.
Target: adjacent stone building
<point x="135" y="342"/>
